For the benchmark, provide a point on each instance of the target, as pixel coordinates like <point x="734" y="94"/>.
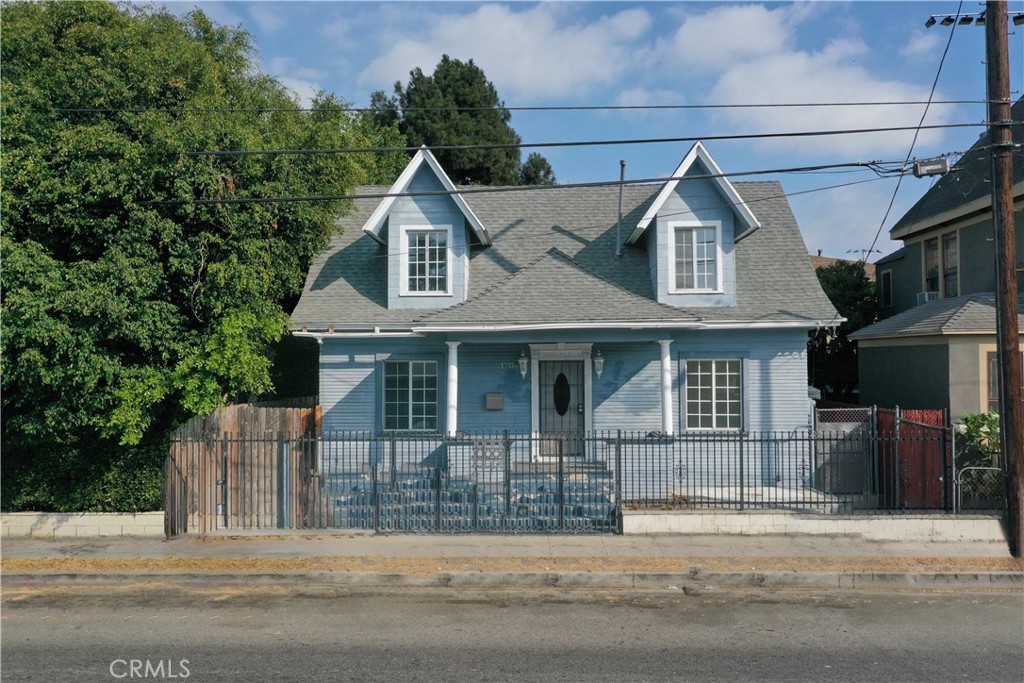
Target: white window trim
<point x="685" y="385"/>
<point x="384" y="393"/>
<point x="881" y="277"/>
<point x="719" y="256"/>
<point x="560" y="351"/>
<point x="403" y="261"/>
<point x="940" y="237"/>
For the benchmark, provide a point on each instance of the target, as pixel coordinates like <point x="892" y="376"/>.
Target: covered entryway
<point x="562" y="408"/>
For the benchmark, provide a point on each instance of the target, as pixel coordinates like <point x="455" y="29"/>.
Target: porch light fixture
<point x="598" y="363"/>
<point x="524" y="364"/>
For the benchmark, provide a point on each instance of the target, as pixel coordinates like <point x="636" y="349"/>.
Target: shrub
<point x="977" y="440"/>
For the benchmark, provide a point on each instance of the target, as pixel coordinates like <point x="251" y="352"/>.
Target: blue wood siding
<point x="696" y="200"/>
<point x="775" y="373"/>
<point x="348" y="391"/>
<point x="627" y="396"/>
<point x="481" y="372"/>
<point x="421" y="211"/>
<point x="351" y="383"/>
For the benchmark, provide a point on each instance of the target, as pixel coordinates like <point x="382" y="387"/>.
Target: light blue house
<point x="552" y="311"/>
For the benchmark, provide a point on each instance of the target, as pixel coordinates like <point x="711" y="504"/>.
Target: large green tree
<point x="122" y="314"/>
<point x="458" y="106"/>
<point x="832" y="356"/>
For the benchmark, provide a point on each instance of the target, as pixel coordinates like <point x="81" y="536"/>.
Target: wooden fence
<point x="232" y="469"/>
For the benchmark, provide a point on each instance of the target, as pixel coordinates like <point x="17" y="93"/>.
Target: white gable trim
<point x="423" y="156"/>
<point x="746" y="216"/>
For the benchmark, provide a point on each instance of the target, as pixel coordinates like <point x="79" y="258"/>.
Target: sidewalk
<point x="651" y="561"/>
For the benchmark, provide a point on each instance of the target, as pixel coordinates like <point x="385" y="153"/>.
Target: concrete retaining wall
<point x="63" y="524"/>
<point x="879" y="528"/>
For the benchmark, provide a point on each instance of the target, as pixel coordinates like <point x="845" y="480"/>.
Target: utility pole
<point x="1007" y="333"/>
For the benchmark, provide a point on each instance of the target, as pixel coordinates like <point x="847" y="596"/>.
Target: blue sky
<point x="670" y="53"/>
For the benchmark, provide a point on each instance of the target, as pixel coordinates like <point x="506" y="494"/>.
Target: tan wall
<point x="79" y="524"/>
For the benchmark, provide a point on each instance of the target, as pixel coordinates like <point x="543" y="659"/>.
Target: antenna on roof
<point x="618" y="226"/>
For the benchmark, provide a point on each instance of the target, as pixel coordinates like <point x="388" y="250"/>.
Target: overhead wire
<point x="584" y="143"/>
<point x="539" y="108"/>
<point x="870" y="165"/>
<point x="913" y="143"/>
<point x="730" y="205"/>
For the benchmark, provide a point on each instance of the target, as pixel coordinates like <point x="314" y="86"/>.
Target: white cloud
<point x="751" y="56"/>
<point x="644" y="97"/>
<point x="843" y="221"/>
<point x="528" y="54"/>
<point x="831" y="75"/>
<point x="304" y="90"/>
<point x="288" y="66"/>
<point x="922" y="45"/>
<point x="268" y="20"/>
<point x="716" y="39"/>
<point x="304" y="81"/>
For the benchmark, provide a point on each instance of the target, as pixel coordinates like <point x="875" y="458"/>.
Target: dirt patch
<point x="427" y="566"/>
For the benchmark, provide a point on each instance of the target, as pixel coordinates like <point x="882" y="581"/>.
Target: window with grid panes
<point x="410" y="395"/>
<point x="427" y="258"/>
<point x="714" y="395"/>
<point x="696" y="258"/>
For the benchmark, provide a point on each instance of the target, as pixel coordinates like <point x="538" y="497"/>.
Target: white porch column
<point x="452" y="415"/>
<point x="666" y="386"/>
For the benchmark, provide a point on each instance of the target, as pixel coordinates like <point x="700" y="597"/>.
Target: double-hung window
<point x="410" y="395"/>
<point x="426" y="260"/>
<point x="696" y="261"/>
<point x="942" y="265"/>
<point x="950" y="266"/>
<point x="714" y="394"/>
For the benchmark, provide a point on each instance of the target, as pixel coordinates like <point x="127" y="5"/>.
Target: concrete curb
<point x="689" y="581"/>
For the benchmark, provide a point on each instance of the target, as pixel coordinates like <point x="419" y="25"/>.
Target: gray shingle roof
<point x="582" y="281"/>
<point x="972" y="313"/>
<point x="972" y="181"/>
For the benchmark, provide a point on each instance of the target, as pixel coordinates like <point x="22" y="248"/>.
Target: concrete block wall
<point x="877" y="528"/>
<point x="75" y="524"/>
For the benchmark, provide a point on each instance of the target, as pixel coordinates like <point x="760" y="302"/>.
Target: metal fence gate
<point x="418" y="483"/>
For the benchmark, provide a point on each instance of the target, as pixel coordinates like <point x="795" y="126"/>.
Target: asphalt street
<point x="244" y="633"/>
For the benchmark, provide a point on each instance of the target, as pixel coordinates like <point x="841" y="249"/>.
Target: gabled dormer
<point x="691" y="230"/>
<point x="426" y="228"/>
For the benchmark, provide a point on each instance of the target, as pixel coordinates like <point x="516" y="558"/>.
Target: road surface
<point x="235" y="633"/>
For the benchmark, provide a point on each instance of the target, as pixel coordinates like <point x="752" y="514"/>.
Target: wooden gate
<point x="217" y="464"/>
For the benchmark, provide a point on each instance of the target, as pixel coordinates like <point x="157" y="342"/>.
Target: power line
<point x="553" y="108"/>
<point x="876" y="166"/>
<point x="586" y="143"/>
<point x="910" y="152"/>
<point x="729" y="205"/>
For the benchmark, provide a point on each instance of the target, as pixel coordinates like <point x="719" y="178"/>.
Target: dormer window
<point x="695" y="260"/>
<point x="426" y="260"/>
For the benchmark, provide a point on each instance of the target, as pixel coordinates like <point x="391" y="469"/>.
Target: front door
<point x="562" y="412"/>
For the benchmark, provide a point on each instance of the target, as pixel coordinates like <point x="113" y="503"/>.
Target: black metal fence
<point x="521" y="483"/>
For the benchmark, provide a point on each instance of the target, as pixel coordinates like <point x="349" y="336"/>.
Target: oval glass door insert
<point x="561" y="395"/>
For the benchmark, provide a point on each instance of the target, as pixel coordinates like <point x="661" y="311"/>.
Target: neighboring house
<point x="820" y="261"/>
<point x="935" y="346"/>
<point x="467" y="310"/>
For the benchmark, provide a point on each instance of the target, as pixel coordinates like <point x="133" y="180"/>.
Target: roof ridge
<point x="960" y="310"/>
<point x="552" y="254"/>
<point x="487" y="290"/>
